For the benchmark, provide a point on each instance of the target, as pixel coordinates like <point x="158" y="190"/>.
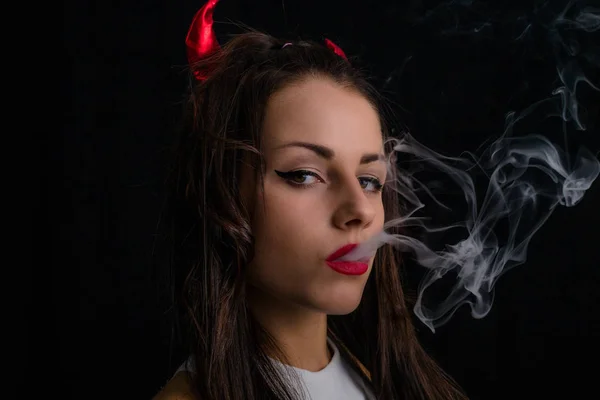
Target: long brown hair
<point x="212" y="240"/>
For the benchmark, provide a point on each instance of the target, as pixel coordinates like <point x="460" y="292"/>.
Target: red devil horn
<point x="336" y="49"/>
<point x="201" y="40"/>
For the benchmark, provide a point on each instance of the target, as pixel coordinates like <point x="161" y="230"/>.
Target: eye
<point x="301" y="178"/>
<point x="305" y="179"/>
<point x="375" y="184"/>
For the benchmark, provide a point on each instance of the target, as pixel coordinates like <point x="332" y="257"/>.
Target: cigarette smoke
<point x="526" y="178"/>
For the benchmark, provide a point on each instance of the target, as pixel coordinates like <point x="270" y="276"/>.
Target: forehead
<point x="320" y="111"/>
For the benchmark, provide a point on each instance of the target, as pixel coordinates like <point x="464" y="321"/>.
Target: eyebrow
<point x="328" y="154"/>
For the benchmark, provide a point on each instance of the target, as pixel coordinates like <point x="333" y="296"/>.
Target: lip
<point x="342" y="251"/>
<point x="347" y="267"/>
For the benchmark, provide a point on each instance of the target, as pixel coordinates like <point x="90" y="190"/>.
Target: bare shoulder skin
<point x="178" y="388"/>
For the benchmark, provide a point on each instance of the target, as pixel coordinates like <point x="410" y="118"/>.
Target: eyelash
<point x="288" y="176"/>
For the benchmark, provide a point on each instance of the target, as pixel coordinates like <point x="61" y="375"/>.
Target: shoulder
<point x="178" y="388"/>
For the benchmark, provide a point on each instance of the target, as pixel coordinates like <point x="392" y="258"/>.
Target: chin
<point x="341" y="303"/>
<point x="345" y="310"/>
<point x="343" y="296"/>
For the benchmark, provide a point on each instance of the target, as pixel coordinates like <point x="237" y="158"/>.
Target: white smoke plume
<point x="526" y="178"/>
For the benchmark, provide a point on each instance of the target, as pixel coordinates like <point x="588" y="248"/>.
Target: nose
<point x="355" y="210"/>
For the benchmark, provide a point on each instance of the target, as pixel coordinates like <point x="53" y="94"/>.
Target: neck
<point x="301" y="333"/>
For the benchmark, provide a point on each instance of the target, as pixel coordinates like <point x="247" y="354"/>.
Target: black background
<point x="125" y="81"/>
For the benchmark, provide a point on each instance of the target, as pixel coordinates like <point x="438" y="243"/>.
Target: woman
<point x="279" y="171"/>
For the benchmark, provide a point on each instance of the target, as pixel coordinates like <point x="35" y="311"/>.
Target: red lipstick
<point x="346" y="267"/>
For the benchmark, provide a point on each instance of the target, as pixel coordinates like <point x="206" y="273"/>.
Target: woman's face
<point x="323" y="150"/>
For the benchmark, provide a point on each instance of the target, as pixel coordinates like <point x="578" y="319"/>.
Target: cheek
<point x="380" y="218"/>
<point x="288" y="231"/>
<point x="285" y="223"/>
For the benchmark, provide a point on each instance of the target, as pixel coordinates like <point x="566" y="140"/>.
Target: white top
<point x="337" y="381"/>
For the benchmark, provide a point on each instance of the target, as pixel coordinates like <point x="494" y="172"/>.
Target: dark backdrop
<point x="465" y="71"/>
